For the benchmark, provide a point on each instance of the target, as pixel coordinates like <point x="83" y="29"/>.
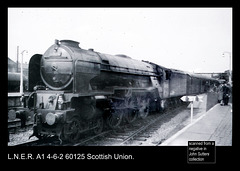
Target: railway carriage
<point x="76" y="90"/>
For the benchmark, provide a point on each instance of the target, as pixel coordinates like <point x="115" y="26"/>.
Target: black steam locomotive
<point x="76" y="90"/>
<point x="15" y="108"/>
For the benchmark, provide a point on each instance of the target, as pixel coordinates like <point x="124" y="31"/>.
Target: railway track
<point x="132" y="134"/>
<point x="135" y="133"/>
<point x="138" y="133"/>
<point x="91" y="138"/>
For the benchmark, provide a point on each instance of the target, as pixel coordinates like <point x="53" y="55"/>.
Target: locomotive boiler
<point x="76" y="90"/>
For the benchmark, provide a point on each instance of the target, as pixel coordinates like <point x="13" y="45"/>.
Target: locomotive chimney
<point x="56" y="41"/>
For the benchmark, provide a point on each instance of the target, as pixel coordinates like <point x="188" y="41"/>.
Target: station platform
<point x="213" y="125"/>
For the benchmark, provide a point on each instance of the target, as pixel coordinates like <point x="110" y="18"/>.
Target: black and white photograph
<point x="120" y="77"/>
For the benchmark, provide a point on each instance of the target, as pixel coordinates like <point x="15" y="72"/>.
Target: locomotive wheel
<point x="144" y="108"/>
<point x="130" y="115"/>
<point x="71" y="131"/>
<point x="115" y="118"/>
<point x="163" y="104"/>
<point x="99" y="126"/>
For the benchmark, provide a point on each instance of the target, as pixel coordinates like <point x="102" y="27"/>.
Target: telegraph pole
<point x="17" y="56"/>
<point x="21" y="81"/>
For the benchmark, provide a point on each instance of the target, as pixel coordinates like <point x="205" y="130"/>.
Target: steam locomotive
<point x="15" y="108"/>
<point x="14" y="82"/>
<point x="76" y="90"/>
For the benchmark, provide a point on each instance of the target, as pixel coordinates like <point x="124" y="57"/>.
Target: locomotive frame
<point x="76" y="90"/>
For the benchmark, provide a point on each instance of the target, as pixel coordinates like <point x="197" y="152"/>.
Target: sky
<point x="188" y="39"/>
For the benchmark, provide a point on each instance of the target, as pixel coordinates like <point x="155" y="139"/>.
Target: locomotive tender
<point x="75" y="90"/>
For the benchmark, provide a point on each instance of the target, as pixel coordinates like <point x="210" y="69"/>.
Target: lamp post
<point x="21" y="76"/>
<point x="230" y="78"/>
